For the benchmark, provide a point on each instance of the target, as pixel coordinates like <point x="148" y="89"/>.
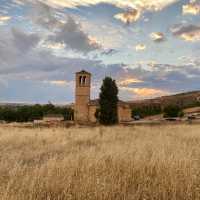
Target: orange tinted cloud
<point x="192" y="9"/>
<point x="145" y="92"/>
<point x="4" y="19"/>
<point x="189" y="33"/>
<point x="140" y="47"/>
<point x="148" y="92"/>
<point x="191" y="37"/>
<point x="157" y="36"/>
<point x="54" y="46"/>
<point x="128" y="81"/>
<point x="61" y="83"/>
<point x="152" y="5"/>
<point x="129" y="17"/>
<point x="93" y="41"/>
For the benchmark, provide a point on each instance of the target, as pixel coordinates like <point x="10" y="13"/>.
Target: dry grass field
<point x="113" y="163"/>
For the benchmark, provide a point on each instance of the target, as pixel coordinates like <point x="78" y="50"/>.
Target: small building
<point x="53" y="118"/>
<point x="85" y="108"/>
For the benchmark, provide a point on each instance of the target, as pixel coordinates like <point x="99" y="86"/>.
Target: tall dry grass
<point x="136" y="163"/>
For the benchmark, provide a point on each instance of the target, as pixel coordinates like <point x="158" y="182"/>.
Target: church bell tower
<point x="82" y="96"/>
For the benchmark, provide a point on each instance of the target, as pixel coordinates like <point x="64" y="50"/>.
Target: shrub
<point x="172" y="111"/>
<point x="31" y="113"/>
<point x="147" y="110"/>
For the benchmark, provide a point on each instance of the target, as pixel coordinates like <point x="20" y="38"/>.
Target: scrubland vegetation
<point x="29" y="113"/>
<point x="103" y="163"/>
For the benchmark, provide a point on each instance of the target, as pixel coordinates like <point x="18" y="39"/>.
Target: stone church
<point x="85" y="108"/>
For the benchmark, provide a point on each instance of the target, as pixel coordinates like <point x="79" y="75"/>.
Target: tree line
<point x="29" y="113"/>
<point x="170" y="110"/>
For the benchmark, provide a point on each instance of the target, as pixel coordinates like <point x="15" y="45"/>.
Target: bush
<point x="173" y="111"/>
<point x="146" y="111"/>
<point x="35" y="112"/>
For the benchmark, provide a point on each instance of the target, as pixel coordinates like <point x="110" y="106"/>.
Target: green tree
<point x="172" y="111"/>
<point x="148" y="110"/>
<point x="33" y="112"/>
<point x="108" y="100"/>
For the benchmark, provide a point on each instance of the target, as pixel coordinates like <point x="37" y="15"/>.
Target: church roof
<point x="95" y="102"/>
<point x="83" y="72"/>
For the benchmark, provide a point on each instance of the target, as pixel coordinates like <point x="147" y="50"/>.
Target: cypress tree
<point x="108" y="100"/>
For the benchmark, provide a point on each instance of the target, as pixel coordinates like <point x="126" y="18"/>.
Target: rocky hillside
<point x="188" y="99"/>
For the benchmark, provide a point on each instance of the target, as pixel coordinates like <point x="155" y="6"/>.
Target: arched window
<point x="84" y="80"/>
<point x="80" y="80"/>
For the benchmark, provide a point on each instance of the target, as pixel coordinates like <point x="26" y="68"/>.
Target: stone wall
<point x="124" y="113"/>
<point x="92" y="111"/>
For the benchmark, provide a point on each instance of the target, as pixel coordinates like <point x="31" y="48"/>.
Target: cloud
<point x="61" y="83"/>
<point x="191" y="9"/>
<point x="73" y="37"/>
<point x="42" y="65"/>
<point x="20" y="59"/>
<point x="44" y="15"/>
<point x="128" y="81"/>
<point x="18" y="2"/>
<point x="149" y="92"/>
<point x="189" y="33"/>
<point x="140" y="47"/>
<point x="141" y="93"/>
<point x="137" y="7"/>
<point x="24" y="41"/>
<point x="39" y="65"/>
<point x="53" y="45"/>
<point x="109" y="52"/>
<point x="157" y="36"/>
<point x="129" y="16"/>
<point x="15" y="45"/>
<point x="67" y="31"/>
<point x="152" y="5"/>
<point x="4" y="19"/>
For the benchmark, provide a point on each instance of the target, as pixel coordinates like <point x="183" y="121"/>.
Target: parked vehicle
<point x="137" y="118"/>
<point x="171" y="119"/>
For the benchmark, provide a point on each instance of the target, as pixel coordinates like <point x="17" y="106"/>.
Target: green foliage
<point x="148" y="110"/>
<point x="34" y="112"/>
<point x="181" y="114"/>
<point x="192" y="104"/>
<point x="172" y="111"/>
<point x="108" y="102"/>
<point x="8" y="114"/>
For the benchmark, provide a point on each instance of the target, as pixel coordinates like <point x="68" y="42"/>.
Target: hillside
<point x="185" y="100"/>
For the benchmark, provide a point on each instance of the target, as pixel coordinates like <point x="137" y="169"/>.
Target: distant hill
<point x="187" y="99"/>
<point x="4" y="104"/>
<point x="14" y="105"/>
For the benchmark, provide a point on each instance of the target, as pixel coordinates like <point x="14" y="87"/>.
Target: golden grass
<point x="113" y="163"/>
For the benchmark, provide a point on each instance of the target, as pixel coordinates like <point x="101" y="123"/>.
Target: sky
<point x="150" y="47"/>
